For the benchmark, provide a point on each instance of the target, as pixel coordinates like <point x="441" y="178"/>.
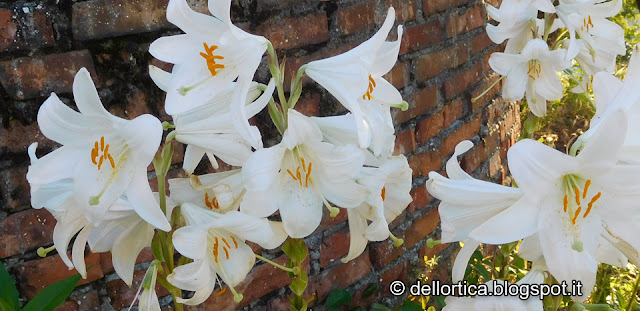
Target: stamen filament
<point x="236" y="296"/>
<point x="95" y="200"/>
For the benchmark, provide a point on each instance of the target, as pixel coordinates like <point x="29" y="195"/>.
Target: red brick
<point x="122" y="295"/>
<point x="328" y="221"/>
<point x="26" y="26"/>
<point x="334" y="246"/>
<point x="405" y="142"/>
<point x="309" y="104"/>
<point x="340" y="276"/>
<point x="398" y="76"/>
<point x="81" y="302"/>
<point x="495" y="165"/>
<point x="35" y="275"/>
<point x="430" y="252"/>
<point x="466" y="131"/>
<point x="473" y="158"/>
<point x="32" y="77"/>
<point x="429" y="127"/>
<point x="431" y="7"/>
<point x="421" y="228"/>
<point x="399" y="272"/>
<point x="384" y="252"/>
<point x="110" y="18"/>
<point x="8" y="29"/>
<point x="270" y="5"/>
<point x="400" y="116"/>
<point x="421" y="198"/>
<point x="357" y="18"/>
<point x="25" y="231"/>
<point x="420" y="36"/>
<point x="14" y="189"/>
<point x="425" y="100"/>
<point x="480" y="42"/>
<point x="425" y="162"/>
<point x="405" y="9"/>
<point x="431" y="65"/>
<point x="294" y="32"/>
<point x="462" y="81"/>
<point x="452" y="112"/>
<point x="471" y="19"/>
<point x="17" y="137"/>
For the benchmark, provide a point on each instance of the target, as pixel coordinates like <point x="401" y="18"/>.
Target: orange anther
<point x="289" y="171"/>
<point x="221" y="292"/>
<point x="226" y="252"/>
<point x="593" y="200"/>
<point x="211" y="59"/>
<point x="372" y="85"/>
<point x="304" y="166"/>
<point x="586" y="188"/>
<point x="566" y="202"/>
<point x="234" y="241"/>
<point x="383" y="194"/>
<point x="575" y="216"/>
<point x="577" y="195"/>
<point x="226" y="243"/>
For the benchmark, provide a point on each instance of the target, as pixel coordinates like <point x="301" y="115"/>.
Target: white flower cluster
<point x="531" y="64"/>
<point x="570" y="211"/>
<point x="96" y="183"/>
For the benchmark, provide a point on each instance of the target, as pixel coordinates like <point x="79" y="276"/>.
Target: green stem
<point x="279" y="266"/>
<point x="634" y="293"/>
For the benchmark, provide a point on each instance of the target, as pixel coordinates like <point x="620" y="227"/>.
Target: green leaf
<point x="378" y="307"/>
<point x="299" y="284"/>
<point x="4" y="306"/>
<point x="8" y="291"/>
<point x="156" y="247"/>
<point x="53" y="295"/>
<point x="370" y="290"/>
<point x="411" y="306"/>
<point x="339" y="298"/>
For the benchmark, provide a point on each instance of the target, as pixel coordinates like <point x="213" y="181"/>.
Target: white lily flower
<point x="211" y="54"/>
<point x="611" y="95"/>
<point x="106" y="157"/>
<point x="216" y="244"/>
<point x="517" y="22"/>
<point x="389" y="186"/>
<point x="571" y="202"/>
<point x="534" y="72"/>
<point x="355" y="79"/>
<point x="210" y="128"/>
<point x="500" y="303"/>
<point x="299" y="175"/>
<point x="220" y="192"/>
<point x="588" y="20"/>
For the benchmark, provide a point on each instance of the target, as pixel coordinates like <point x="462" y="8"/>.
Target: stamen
<point x="593" y="200"/>
<point x="575" y="216"/>
<point x="236" y="296"/>
<point x="384" y="192"/>
<point x="206" y="200"/>
<point x="289" y="171"/>
<point x="234" y="241"/>
<point x="306" y="180"/>
<point x="215" y="203"/>
<point x="113" y="164"/>
<point x="102" y="143"/>
<point x="299" y="176"/>
<point x="304" y="166"/>
<point x="226" y="252"/>
<point x="575" y="188"/>
<point x="211" y="59"/>
<point x="221" y="292"/>
<point x="566" y="202"/>
<point x="372" y="85"/>
<point x="586" y="188"/>
<point x="225" y="242"/>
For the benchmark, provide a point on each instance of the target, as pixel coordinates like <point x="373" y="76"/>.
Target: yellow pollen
<point x="372" y="85"/>
<point x="586" y="188"/>
<point x="234" y="241"/>
<point x="221" y="292"/>
<point x="566" y="202"/>
<point x="384" y="193"/>
<point x="211" y="58"/>
<point x="103" y="152"/>
<point x="575" y="188"/>
<point x="575" y="216"/>
<point x="298" y="175"/>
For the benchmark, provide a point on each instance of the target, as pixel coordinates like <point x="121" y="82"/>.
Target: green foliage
<point x="8" y="292"/>
<point x="53" y="295"/>
<point x="339" y="298"/>
<point x="629" y="19"/>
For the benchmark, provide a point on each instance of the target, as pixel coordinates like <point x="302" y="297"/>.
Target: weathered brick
<point x="431" y="7"/>
<point x="14" y="188"/>
<point x="106" y="261"/>
<point x="429" y="127"/>
<point x="425" y="100"/>
<point x="357" y="18"/>
<point x="405" y="142"/>
<point x="462" y="81"/>
<point x="340" y="276"/>
<point x="421" y="198"/>
<point x="384" y="252"/>
<point x="294" y="32"/>
<point x="122" y="295"/>
<point x="8" y="29"/>
<point x="432" y="64"/>
<point x="25" y="231"/>
<point x="421" y="228"/>
<point x="487" y="83"/>
<point x="334" y="247"/>
<point x="269" y="5"/>
<point x="309" y="104"/>
<point x="88" y="301"/>
<point x="466" y="131"/>
<point x="32" y="77"/>
<point x="473" y="158"/>
<point x="480" y="42"/>
<point x="17" y="137"/>
<point x="398" y="76"/>
<point x="26" y="26"/>
<point x="35" y="275"/>
<point x="399" y="272"/>
<point x="425" y="162"/>
<point x="421" y="36"/>
<point x="405" y="9"/>
<point x="472" y="18"/>
<point x="109" y="18"/>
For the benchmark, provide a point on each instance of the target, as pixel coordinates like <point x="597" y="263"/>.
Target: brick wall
<point x="443" y="64"/>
